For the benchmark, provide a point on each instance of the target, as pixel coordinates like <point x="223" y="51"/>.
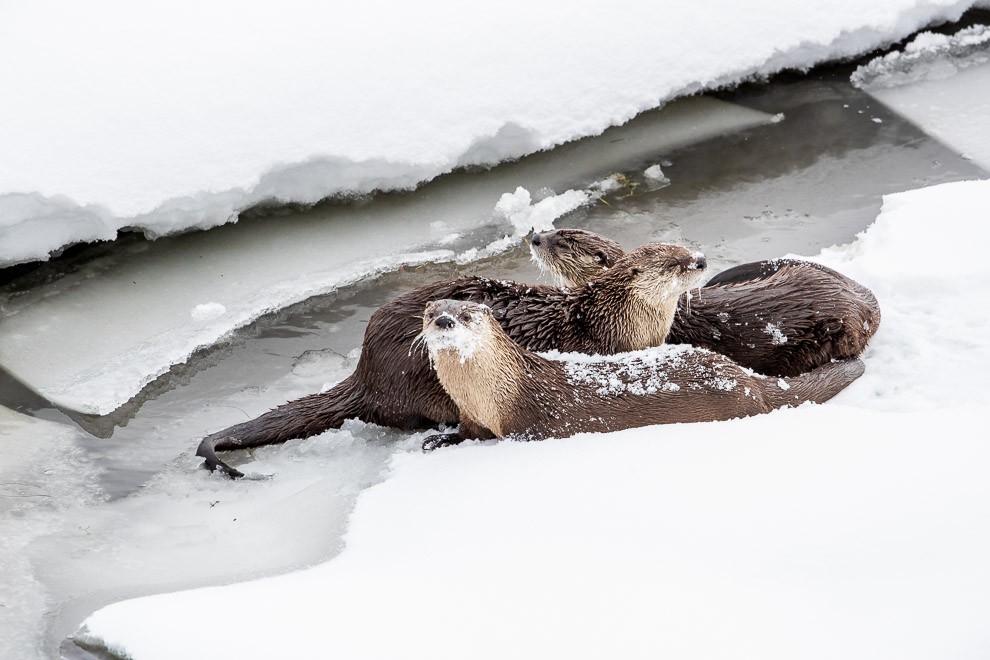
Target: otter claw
<point x="222" y="468"/>
<point x="442" y="440"/>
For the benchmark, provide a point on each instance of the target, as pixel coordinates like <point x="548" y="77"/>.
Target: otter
<point x="628" y="308"/>
<point x="780" y="317"/>
<point x="505" y="390"/>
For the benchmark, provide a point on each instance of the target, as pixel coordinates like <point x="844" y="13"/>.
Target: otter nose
<point x="537" y="239"/>
<point x="444" y="322"/>
<point x="700" y="262"/>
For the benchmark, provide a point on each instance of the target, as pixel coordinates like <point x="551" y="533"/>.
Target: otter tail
<point x="872" y="305"/>
<point x="300" y="418"/>
<point x="818" y="385"/>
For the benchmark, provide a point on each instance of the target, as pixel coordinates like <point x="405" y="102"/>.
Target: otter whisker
<point x="421" y="340"/>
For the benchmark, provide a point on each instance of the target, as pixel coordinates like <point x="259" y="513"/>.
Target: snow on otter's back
<point x="643" y="372"/>
<point x="777" y="336"/>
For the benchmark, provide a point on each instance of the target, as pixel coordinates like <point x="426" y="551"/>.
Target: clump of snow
<point x="777" y="118"/>
<point x="929" y="56"/>
<point x="207" y="311"/>
<point x="777" y="336"/>
<point x="655" y="173"/>
<point x="614" y="181"/>
<point x="517" y="208"/>
<point x="165" y="141"/>
<point x="525" y="217"/>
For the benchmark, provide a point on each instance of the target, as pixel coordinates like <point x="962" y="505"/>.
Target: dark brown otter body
<point x="780" y="317"/>
<point x="628" y="308"/>
<point x="509" y="391"/>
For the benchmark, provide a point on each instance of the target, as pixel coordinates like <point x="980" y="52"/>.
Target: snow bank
<point x="929" y="56"/>
<point x="855" y="529"/>
<point x="166" y="116"/>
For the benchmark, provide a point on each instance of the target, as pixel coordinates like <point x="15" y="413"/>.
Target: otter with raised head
<point x="780" y="317"/>
<point x="628" y="308"/>
<point x="505" y="390"/>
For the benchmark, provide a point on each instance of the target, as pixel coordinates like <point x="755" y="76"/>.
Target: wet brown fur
<point x="393" y="384"/>
<point x="511" y="391"/>
<point x="824" y="314"/>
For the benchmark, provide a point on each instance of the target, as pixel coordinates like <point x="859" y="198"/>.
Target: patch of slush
<point x="166" y="140"/>
<point x="863" y="516"/>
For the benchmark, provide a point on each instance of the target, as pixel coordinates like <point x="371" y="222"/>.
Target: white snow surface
<point x="854" y="529"/>
<point x="166" y="116"/>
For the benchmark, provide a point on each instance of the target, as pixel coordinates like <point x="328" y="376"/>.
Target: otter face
<point x="455" y="326"/>
<point x="574" y="256"/>
<point x="660" y="272"/>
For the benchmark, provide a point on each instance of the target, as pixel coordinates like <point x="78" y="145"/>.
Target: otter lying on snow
<point x="627" y="308"/>
<point x="780" y="318"/>
<point x="507" y="390"/>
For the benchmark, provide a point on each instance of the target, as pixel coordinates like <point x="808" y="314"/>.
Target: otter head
<point x="573" y="256"/>
<point x="658" y="273"/>
<point x="475" y="361"/>
<point x="456" y="328"/>
<point x="636" y="299"/>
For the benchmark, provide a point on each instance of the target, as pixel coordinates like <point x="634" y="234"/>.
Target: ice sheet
<point x="165" y="116"/>
<point x="941" y="83"/>
<point x="42" y="474"/>
<point x="55" y="338"/>
<point x="854" y="529"/>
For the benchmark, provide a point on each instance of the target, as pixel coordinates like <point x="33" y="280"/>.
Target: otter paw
<point x="442" y="440"/>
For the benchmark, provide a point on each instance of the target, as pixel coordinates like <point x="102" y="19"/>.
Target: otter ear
<point x="634" y="271"/>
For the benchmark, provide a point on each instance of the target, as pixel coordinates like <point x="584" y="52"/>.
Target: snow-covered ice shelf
<point x="165" y="116"/>
<point x="855" y="529"/>
<point x="176" y="296"/>
<point x="941" y="83"/>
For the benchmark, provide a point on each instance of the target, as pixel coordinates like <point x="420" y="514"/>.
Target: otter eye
<point x="465" y="317"/>
<point x="600" y="257"/>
